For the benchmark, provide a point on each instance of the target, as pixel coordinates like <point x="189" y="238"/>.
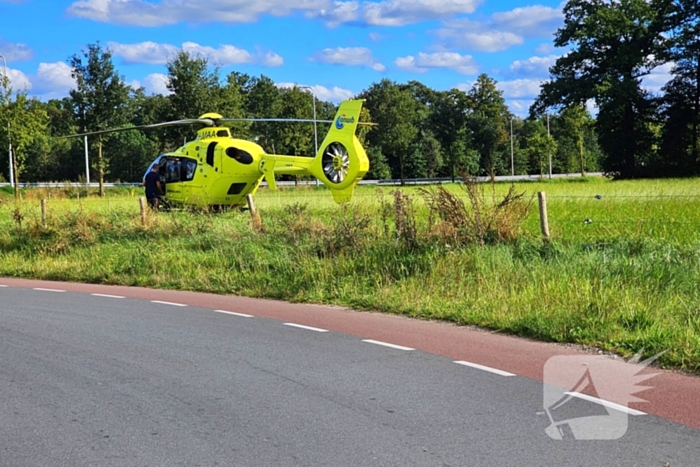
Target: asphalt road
<point x="91" y="380"/>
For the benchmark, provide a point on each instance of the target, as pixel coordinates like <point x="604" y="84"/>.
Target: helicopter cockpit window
<point x="172" y="171"/>
<point x="188" y="169"/>
<point x="239" y="155"/>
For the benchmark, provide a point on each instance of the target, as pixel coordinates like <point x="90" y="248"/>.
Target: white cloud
<point x="464" y="64"/>
<point x="545" y="49"/>
<point x="144" y="52"/>
<point x="323" y="93"/>
<point x="159" y="54"/>
<point x="533" y="66"/>
<point x="271" y="59"/>
<point x="402" y="12"/>
<point x="503" y="30"/>
<point x="530" y="21"/>
<point x="53" y="80"/>
<point x="487" y="41"/>
<point x="224" y="55"/>
<point x="156" y="83"/>
<point x="168" y="12"/>
<point x="520" y="88"/>
<point x="353" y="56"/>
<point x="519" y="107"/>
<point x="658" y="78"/>
<point x="15" y="52"/>
<point x="339" y="12"/>
<point x="18" y="80"/>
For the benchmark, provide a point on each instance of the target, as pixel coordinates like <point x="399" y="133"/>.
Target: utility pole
<point x="9" y="134"/>
<point x="512" y="159"/>
<point x="549" y="153"/>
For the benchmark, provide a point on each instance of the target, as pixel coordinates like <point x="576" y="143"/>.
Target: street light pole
<point x="315" y="126"/>
<point x="549" y="153"/>
<point x="9" y="135"/>
<point x="87" y="158"/>
<point x="512" y="160"/>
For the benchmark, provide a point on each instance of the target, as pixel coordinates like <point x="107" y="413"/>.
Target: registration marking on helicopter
<point x="386" y="344"/>
<point x="49" y="290"/>
<point x="242" y="315"/>
<point x="106" y="296"/>
<point x="308" y="328"/>
<point x="484" y="368"/>
<point x="168" y="303"/>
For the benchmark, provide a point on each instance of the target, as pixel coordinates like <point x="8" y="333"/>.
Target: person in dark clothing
<point x="153" y="187"/>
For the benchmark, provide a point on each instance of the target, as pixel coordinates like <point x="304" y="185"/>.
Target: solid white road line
<point x="308" y="328"/>
<point x="168" y="303"/>
<point x="242" y="315"/>
<point x="106" y="296"/>
<point x="612" y="405"/>
<point x="2" y="285"/>
<point x="484" y="368"/>
<point x="386" y="344"/>
<point x="48" y="290"/>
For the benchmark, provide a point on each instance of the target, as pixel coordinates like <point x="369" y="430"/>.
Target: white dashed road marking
<point x="386" y="344"/>
<point x="485" y="368"/>
<point x="605" y="403"/>
<point x="106" y="296"/>
<point x="242" y="315"/>
<point x="48" y="290"/>
<point x="168" y="303"/>
<point x="2" y="285"/>
<point x="308" y="328"/>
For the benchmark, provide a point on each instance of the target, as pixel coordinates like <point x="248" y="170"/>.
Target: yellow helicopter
<point x="216" y="169"/>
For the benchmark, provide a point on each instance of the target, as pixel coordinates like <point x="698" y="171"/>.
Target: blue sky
<point x="336" y="47"/>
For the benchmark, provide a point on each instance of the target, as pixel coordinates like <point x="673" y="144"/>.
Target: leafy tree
<point x="449" y="117"/>
<point x="30" y="139"/>
<point x="539" y="146"/>
<point x="573" y="123"/>
<point x="680" y="145"/>
<point x="264" y="99"/>
<point x="99" y="100"/>
<point x="614" y="44"/>
<point x="393" y="109"/>
<point x="487" y="123"/>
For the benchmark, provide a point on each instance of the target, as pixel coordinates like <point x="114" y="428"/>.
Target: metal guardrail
<point x="407" y="181"/>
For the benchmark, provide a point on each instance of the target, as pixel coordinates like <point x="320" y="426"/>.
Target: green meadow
<point x="621" y="271"/>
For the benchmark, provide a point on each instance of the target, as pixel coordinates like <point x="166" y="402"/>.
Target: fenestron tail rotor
<point x="336" y="162"/>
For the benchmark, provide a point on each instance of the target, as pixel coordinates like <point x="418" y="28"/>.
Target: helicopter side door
<point x="178" y="171"/>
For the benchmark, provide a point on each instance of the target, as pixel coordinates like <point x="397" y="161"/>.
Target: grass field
<point x="621" y="272"/>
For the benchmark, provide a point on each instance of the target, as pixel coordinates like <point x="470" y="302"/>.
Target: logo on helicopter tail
<point x="342" y="120"/>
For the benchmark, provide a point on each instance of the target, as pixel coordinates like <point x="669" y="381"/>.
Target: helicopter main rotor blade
<point x="302" y="120"/>
<point x="192" y="121"/>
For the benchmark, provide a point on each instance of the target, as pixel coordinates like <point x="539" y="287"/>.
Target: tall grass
<point x="621" y="272"/>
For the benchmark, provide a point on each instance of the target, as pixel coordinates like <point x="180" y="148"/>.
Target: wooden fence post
<point x="544" y="221"/>
<point x="43" y="212"/>
<point x="142" y="204"/>
<point x="251" y="205"/>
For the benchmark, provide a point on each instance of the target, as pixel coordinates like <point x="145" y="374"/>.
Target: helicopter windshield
<point x="179" y="169"/>
<point x="174" y="169"/>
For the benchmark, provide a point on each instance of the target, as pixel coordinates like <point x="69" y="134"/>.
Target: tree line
<point x="420" y="132"/>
